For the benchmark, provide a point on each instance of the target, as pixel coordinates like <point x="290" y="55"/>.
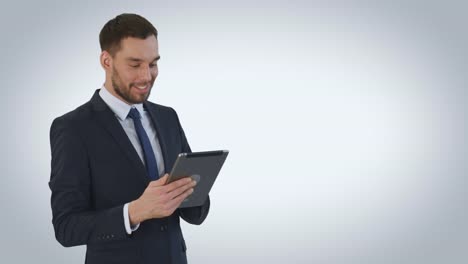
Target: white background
<point x="346" y="123"/>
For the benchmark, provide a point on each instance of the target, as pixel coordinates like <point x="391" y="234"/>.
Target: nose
<point x="145" y="74"/>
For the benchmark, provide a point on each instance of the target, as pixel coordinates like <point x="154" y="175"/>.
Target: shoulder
<point x="163" y="110"/>
<point x="165" y="114"/>
<point x="75" y="118"/>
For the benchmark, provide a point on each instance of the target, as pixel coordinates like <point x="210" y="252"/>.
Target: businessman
<point x="111" y="155"/>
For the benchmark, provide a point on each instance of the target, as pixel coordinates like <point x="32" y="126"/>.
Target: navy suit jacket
<point x="96" y="170"/>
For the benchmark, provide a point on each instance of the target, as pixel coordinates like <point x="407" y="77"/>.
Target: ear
<point x="106" y="60"/>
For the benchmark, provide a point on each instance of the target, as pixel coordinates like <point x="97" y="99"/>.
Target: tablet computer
<point x="203" y="167"/>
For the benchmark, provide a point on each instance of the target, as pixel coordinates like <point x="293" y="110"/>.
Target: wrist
<point x="133" y="213"/>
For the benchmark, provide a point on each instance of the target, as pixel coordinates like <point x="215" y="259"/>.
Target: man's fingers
<point x="160" y="182"/>
<point x="177" y="184"/>
<point x="181" y="190"/>
<point x="179" y="199"/>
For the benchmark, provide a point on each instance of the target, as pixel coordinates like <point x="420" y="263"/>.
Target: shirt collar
<point x="119" y="107"/>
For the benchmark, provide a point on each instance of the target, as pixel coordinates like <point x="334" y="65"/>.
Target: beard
<point x="125" y="92"/>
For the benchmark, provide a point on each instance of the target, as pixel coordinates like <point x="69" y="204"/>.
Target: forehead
<point x="145" y="49"/>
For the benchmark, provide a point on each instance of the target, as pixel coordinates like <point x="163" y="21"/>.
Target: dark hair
<point x="124" y="26"/>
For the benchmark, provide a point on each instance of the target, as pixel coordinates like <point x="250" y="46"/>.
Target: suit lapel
<point x="107" y="118"/>
<point x="156" y="118"/>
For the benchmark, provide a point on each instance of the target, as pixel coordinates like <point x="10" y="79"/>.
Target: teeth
<point x="140" y="87"/>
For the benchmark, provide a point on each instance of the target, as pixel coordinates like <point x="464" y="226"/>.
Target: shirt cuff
<point x="128" y="228"/>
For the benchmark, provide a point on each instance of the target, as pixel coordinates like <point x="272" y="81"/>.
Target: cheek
<point x="155" y="73"/>
<point x="128" y="77"/>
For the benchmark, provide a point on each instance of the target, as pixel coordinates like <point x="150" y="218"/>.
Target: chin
<point x="140" y="99"/>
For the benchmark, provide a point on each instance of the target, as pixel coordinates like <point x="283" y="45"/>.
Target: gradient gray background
<point x="346" y="123"/>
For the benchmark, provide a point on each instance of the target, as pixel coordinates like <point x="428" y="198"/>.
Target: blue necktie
<point x="150" y="159"/>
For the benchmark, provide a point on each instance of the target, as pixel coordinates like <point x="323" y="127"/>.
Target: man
<point x="110" y="157"/>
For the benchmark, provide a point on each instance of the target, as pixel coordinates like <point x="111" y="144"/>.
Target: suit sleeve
<point x="193" y="215"/>
<point x="75" y="220"/>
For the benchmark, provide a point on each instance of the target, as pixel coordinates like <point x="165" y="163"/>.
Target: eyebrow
<point x="140" y="60"/>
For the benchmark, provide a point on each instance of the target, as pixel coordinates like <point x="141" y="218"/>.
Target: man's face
<point x="134" y="69"/>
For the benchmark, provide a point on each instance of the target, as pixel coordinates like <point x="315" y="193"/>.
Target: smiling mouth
<point x="141" y="87"/>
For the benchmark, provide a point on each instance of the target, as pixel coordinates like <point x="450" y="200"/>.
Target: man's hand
<point x="160" y="200"/>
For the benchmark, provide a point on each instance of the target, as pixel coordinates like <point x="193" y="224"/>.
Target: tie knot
<point x="134" y="114"/>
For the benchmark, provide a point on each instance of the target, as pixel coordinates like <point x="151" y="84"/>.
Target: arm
<point x="75" y="220"/>
<point x="192" y="215"/>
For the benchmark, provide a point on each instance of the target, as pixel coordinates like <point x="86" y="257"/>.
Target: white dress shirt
<point x="121" y="110"/>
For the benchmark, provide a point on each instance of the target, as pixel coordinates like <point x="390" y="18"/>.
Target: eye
<point x="134" y="66"/>
<point x="153" y="65"/>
